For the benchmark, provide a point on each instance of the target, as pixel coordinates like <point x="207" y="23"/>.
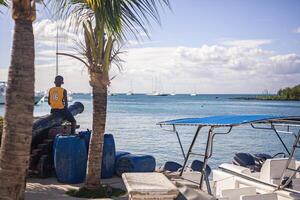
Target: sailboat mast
<point x="56" y="72"/>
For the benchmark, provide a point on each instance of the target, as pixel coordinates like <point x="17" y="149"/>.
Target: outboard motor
<point x="197" y="165"/>
<point x="259" y="159"/>
<point x="244" y="160"/>
<point x="171" y="166"/>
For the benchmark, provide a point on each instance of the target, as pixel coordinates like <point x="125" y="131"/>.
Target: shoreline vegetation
<point x="286" y="94"/>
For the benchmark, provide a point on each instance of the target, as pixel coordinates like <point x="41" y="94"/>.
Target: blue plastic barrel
<point x="70" y="159"/>
<point x="108" y="157"/>
<point x="135" y="163"/>
<point x="119" y="154"/>
<point x="86" y="136"/>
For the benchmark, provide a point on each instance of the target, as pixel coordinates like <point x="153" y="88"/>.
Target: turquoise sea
<point x="132" y="120"/>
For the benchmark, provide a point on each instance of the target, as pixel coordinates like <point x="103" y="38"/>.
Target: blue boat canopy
<point x="231" y="120"/>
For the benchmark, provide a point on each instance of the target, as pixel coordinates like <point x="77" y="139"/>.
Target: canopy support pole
<point x="190" y="150"/>
<point x="282" y="185"/>
<point x="178" y="138"/>
<point x="287" y="150"/>
<point x="206" y="157"/>
<point x="274" y="129"/>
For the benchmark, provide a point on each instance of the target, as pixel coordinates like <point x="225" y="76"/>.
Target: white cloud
<point x="286" y="64"/>
<point x="237" y="66"/>
<point x="297" y="30"/>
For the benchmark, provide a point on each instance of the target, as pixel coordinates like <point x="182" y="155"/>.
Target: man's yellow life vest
<point x="56" y="95"/>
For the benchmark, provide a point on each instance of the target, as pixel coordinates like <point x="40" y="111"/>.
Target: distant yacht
<point x="38" y="96"/>
<point x="129" y="93"/>
<point x="70" y="96"/>
<point x="3" y="86"/>
<point x="155" y="91"/>
<point x="194" y="93"/>
<point x="172" y="94"/>
<point x="157" y="94"/>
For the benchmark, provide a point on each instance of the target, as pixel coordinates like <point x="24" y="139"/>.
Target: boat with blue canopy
<point x="248" y="177"/>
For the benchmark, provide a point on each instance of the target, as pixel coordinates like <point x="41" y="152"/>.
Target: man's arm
<point x="66" y="98"/>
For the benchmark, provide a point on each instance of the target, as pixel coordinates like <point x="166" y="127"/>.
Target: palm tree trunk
<point x="18" y="119"/>
<point x="93" y="177"/>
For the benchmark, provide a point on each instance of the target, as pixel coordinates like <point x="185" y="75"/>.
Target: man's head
<point x="59" y="80"/>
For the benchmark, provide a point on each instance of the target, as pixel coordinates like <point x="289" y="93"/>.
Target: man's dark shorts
<point x="65" y="113"/>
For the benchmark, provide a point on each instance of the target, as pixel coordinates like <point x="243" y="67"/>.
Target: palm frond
<point x="122" y="18"/>
<point x="4" y="3"/>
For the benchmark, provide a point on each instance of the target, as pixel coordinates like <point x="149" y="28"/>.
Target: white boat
<point x="193" y="94"/>
<point x="248" y="177"/>
<point x="70" y="96"/>
<point x="129" y="93"/>
<point x="157" y="94"/>
<point x="3" y="85"/>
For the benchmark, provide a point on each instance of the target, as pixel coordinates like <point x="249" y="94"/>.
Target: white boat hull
<point x="232" y="178"/>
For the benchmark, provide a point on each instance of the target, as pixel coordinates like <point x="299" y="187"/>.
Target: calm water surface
<point x="132" y="120"/>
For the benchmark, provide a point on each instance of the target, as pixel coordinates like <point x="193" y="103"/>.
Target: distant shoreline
<point x="265" y="98"/>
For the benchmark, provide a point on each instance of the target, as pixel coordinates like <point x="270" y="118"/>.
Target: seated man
<point x="58" y="100"/>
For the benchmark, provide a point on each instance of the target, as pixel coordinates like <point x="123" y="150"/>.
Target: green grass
<point x="105" y="191"/>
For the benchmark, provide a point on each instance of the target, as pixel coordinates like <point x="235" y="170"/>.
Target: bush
<point x="105" y="191"/>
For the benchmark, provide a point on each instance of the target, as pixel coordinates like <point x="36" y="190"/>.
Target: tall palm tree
<point x="106" y="24"/>
<point x="18" y="118"/>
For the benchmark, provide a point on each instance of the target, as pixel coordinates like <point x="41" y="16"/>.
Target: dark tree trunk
<point x="93" y="179"/>
<point x="18" y="119"/>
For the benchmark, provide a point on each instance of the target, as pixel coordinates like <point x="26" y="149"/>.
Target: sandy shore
<point x="43" y="189"/>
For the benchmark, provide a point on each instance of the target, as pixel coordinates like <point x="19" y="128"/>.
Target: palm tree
<point x="18" y="118"/>
<point x="106" y="24"/>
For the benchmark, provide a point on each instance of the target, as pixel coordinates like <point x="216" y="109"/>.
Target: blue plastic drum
<point x="70" y="158"/>
<point x="108" y="157"/>
<point x="135" y="163"/>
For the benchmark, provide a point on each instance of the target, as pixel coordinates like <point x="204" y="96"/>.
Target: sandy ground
<point x="43" y="189"/>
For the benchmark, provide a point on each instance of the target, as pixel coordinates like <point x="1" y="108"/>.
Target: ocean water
<point x="132" y="120"/>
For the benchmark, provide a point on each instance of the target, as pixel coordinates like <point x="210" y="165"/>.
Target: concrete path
<point x="44" y="189"/>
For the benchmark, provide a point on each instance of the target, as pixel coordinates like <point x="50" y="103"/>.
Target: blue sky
<point x="197" y="22"/>
<point x="205" y="45"/>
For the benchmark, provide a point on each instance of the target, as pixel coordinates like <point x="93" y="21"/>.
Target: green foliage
<point x="105" y="191"/>
<point x="3" y="2"/>
<point x="1" y="128"/>
<point x="120" y="18"/>
<point x="285" y="94"/>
